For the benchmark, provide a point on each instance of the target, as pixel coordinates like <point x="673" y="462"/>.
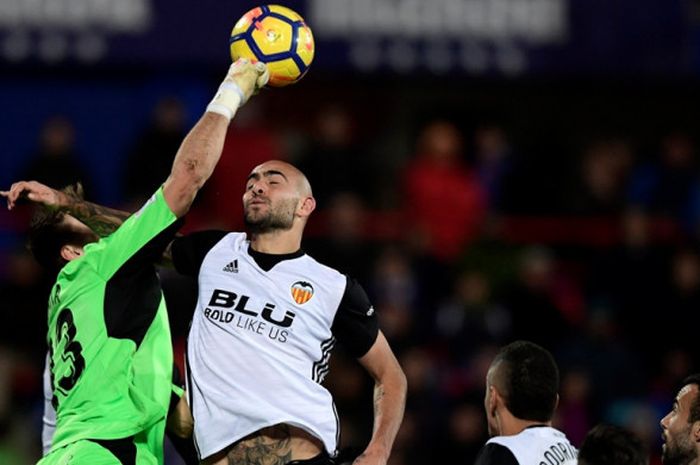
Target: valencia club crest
<point x="302" y="292"/>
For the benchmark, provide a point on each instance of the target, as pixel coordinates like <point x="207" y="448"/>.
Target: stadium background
<point x="488" y="169"/>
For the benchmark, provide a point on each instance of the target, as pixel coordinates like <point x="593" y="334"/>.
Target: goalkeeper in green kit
<point x="110" y="352"/>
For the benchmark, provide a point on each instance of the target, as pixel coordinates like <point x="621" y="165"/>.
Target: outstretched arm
<point x="389" y="401"/>
<point x="193" y="164"/>
<point x="102" y="220"/>
<point x="201" y="149"/>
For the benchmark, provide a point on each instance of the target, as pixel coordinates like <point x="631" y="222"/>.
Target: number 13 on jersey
<point x="69" y="363"/>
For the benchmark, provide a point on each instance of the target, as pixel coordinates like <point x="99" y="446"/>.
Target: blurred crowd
<point x="465" y="241"/>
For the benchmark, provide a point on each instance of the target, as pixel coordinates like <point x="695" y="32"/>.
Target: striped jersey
<point x="261" y="337"/>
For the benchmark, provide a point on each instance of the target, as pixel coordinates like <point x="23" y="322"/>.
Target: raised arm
<point x="193" y="164"/>
<point x="201" y="149"/>
<point x="389" y="401"/>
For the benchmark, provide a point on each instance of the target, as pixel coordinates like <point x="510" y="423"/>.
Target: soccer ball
<point x="277" y="36"/>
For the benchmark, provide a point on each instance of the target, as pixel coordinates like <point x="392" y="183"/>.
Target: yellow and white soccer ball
<point x="277" y="36"/>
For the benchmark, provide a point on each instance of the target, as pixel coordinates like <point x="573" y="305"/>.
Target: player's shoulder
<point x="507" y="441"/>
<point x="321" y="268"/>
<point x="153" y="217"/>
<point x="239" y="240"/>
<point x="528" y="436"/>
<point x="494" y="453"/>
<point x="152" y="213"/>
<point x="533" y="442"/>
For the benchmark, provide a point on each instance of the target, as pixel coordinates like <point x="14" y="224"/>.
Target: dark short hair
<point x="612" y="445"/>
<point x="48" y="233"/>
<point x="694" y="414"/>
<point x="529" y="377"/>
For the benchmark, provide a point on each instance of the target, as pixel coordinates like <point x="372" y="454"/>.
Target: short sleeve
<point x="146" y="233"/>
<point x="355" y="325"/>
<point x="188" y="251"/>
<point x="496" y="454"/>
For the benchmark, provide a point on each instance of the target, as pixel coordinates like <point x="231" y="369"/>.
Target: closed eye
<point x="275" y="176"/>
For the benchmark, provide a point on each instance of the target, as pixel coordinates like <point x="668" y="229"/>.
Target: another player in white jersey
<point x="267" y="318"/>
<point x="521" y="396"/>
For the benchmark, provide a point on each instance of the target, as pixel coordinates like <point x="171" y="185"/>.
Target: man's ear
<point x="494" y="400"/>
<point x="308" y="205"/>
<point x="71" y="252"/>
<point x="695" y="431"/>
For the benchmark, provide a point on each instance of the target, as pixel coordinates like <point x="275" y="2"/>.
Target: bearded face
<point x="262" y="215"/>
<point x="677" y="429"/>
<point x="678" y="448"/>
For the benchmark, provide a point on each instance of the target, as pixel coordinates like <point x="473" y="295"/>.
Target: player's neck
<point x="276" y="242"/>
<point x="511" y="425"/>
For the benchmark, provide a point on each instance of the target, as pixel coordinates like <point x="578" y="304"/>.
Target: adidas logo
<point x="232" y="267"/>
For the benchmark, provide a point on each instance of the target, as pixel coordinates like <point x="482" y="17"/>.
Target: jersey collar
<point x="267" y="260"/>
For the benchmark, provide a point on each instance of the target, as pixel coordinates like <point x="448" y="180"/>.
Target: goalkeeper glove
<point x="242" y="80"/>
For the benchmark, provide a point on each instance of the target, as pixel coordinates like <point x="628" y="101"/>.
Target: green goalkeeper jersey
<point x="109" y="338"/>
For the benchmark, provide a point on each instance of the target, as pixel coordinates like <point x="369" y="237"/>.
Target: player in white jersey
<point x="267" y="318"/>
<point x="521" y="396"/>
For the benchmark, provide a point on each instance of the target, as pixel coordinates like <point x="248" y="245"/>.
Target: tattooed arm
<point x="102" y="220"/>
<point x="389" y="401"/>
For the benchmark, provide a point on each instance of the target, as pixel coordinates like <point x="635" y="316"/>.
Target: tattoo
<point x="273" y="447"/>
<point x="102" y="220"/>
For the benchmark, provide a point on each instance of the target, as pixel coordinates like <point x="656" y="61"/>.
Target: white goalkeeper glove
<point x="242" y="80"/>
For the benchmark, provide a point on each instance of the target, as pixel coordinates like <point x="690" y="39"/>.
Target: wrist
<point x="63" y="201"/>
<point x="377" y="450"/>
<point x="227" y="100"/>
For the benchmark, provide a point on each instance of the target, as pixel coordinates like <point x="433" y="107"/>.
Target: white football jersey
<point x="539" y="445"/>
<point x="259" y="346"/>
